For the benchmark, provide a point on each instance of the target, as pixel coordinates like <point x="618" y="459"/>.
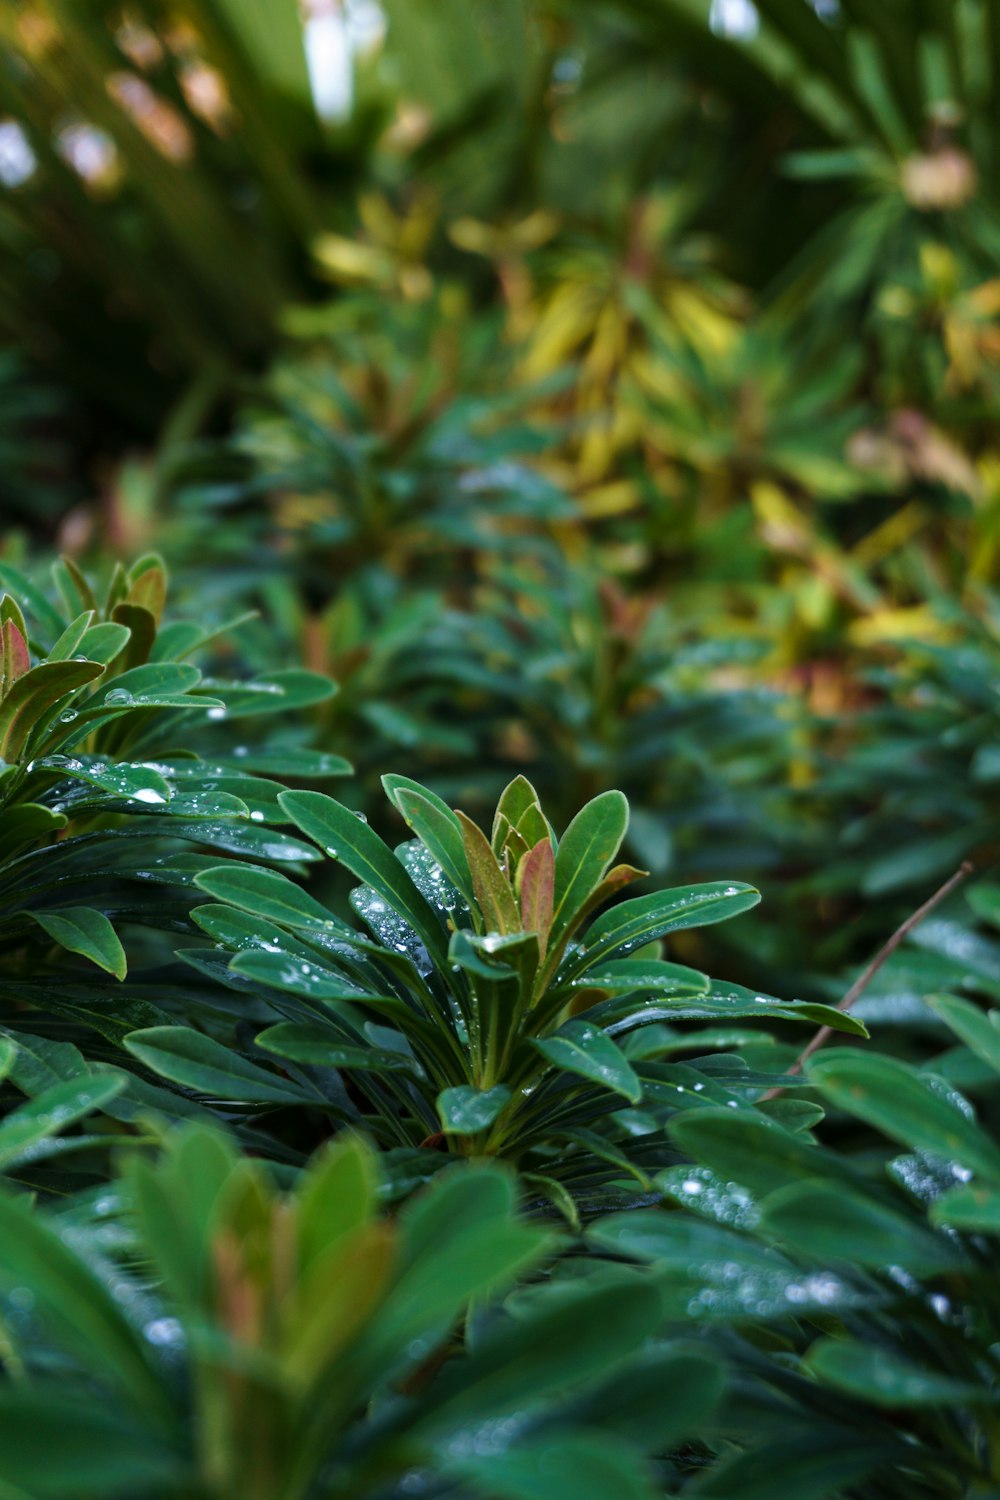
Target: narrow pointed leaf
<point x="632" y="924"/>
<point x="582" y="1048"/>
<point x="585" y="852"/>
<point x="345" y="838"/>
<point x="199" y="1063"/>
<point x="492" y="891"/>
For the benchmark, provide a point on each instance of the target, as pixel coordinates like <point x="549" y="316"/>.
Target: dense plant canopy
<point x="568" y="433"/>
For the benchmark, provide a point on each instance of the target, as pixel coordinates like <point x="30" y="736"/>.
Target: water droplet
<point x="256" y="816"/>
<point x="218" y="712"/>
<point x="118" y="698"/>
<point x="67" y="716"/>
<point x="164" y="1331"/>
<point x="147" y="794"/>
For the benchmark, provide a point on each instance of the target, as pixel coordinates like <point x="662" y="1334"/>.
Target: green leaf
<point x="693" y="1261"/>
<point x="817" y="1466"/>
<point x="518" y="805"/>
<point x="336" y="1195"/>
<point x="297" y="976"/>
<point x="77" y="1306"/>
<point x="656" y="976"/>
<point x="465" y="1110"/>
<point x="585" y="853"/>
<point x="26" y="824"/>
<point x="176" y="1202"/>
<point x="54" y="1110"/>
<point x="81" y="929"/>
<point x="199" y="1063"/>
<point x="730" y="1004"/>
<point x="888" y="1379"/>
<point x="147" y="685"/>
<point x="753" y="1150"/>
<point x="572" y="1340"/>
<point x="908" y="1106"/>
<point x="268" y="896"/>
<point x="632" y="924"/>
<point x="59" y="1447"/>
<point x="582" y="1048"/>
<point x="21" y="586"/>
<point x="312" y="765"/>
<point x="461" y="1240"/>
<point x="968" y="1207"/>
<point x="978" y="1031"/>
<point x="830" y="1223"/>
<point x="104" y="642"/>
<point x="67" y="644"/>
<point x="304" y="1043"/>
<point x="136" y="783"/>
<point x="559" y="1466"/>
<point x="437" y="827"/>
<point x="344" y="837"/>
<point x="492" y="890"/>
<point x="277" y="693"/>
<point x="34" y="694"/>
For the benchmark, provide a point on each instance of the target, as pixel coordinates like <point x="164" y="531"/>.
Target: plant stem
<point x="863" y="980"/>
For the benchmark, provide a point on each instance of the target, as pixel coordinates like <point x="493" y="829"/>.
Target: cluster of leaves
<point x="192" y="1312"/>
<point x="551" y="495"/>
<point x="870" y="1271"/>
<point x="176" y="1325"/>
<point x="222" y="1337"/>
<point x="122" y="775"/>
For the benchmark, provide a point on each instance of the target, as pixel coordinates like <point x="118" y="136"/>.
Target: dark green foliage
<point x="217" y="1337"/>
<point x="638" y="487"/>
<point x="486" y="1013"/>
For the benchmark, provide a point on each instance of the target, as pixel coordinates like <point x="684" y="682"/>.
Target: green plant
<point x="107" y="808"/>
<point x="870" y="1271"/>
<point x="236" y="1338"/>
<point x="484" y="1013"/>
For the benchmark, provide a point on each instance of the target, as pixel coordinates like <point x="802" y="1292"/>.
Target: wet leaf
<point x="466" y="1110"/>
<point x="908" y="1106"/>
<point x="888" y="1379"/>
<point x="582" y="1048"/>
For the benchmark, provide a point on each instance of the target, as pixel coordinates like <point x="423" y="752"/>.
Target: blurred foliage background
<point x="602" y="391"/>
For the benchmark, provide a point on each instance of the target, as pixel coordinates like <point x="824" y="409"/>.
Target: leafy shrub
<point x="871" y="1271"/>
<point x="108" y="810"/>
<point x="227" y="1338"/>
<point x="485" y="1012"/>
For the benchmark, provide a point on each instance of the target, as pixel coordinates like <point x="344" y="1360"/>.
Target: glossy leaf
<point x="466" y="1111"/>
<point x="886" y="1378"/>
<point x="585" y="852"/>
<point x="81" y="929"/>
<point x="632" y="924"/>
<point x="199" y="1063"/>
<point x="582" y="1048"/>
<point x="340" y="835"/>
<point x="907" y="1105"/>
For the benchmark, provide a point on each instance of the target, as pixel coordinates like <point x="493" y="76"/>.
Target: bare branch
<point x="863" y="980"/>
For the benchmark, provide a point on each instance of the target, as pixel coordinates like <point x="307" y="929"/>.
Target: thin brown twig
<point x="863" y="980"/>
